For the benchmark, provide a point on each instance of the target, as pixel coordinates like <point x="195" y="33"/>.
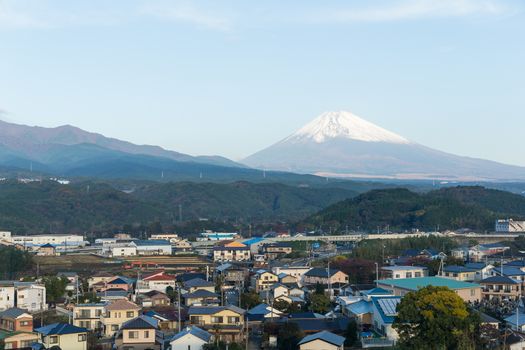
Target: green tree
<point x="435" y="318"/>
<point x="319" y="303"/>
<point x="249" y="300"/>
<point x="281" y="305"/>
<point x="351" y="333"/>
<point x="289" y="335"/>
<point x="13" y="261"/>
<point x="55" y="287"/>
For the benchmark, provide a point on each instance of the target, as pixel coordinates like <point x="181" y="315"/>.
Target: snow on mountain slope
<point x="344" y="145"/>
<point x="344" y="124"/>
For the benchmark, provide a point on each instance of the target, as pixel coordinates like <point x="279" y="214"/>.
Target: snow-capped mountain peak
<point x="342" y="124"/>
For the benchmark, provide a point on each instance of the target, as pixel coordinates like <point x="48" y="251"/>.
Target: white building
<point x="123" y="251"/>
<point x="158" y="281"/>
<point x="296" y="271"/>
<point x="510" y="226"/>
<point x="24" y="295"/>
<point x="234" y="251"/>
<point x="35" y="241"/>
<point x="396" y="272"/>
<point x="7" y="295"/>
<point x="170" y="237"/>
<point x="160" y="247"/>
<point x="30" y="296"/>
<point x="191" y="338"/>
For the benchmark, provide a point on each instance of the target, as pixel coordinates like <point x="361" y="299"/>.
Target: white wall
<point x="193" y="342"/>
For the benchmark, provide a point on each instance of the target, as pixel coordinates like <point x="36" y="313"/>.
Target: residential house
<point x="158" y="281"/>
<point x="516" y="322"/>
<point x="168" y="318"/>
<point x="515" y="340"/>
<point x="117" y="313"/>
<point x="152" y="247"/>
<point x="196" y="284"/>
<point x="99" y="279"/>
<point x="231" y="274"/>
<point x="201" y="297"/>
<point x="467" y="291"/>
<point x="89" y="316"/>
<point x="16" y="320"/>
<point x="46" y="250"/>
<point x="275" y="251"/>
<point x="459" y="273"/>
<point x="320" y="275"/>
<point x="384" y="313"/>
<point x="479" y="252"/>
<point x="182" y="246"/>
<point x="233" y="251"/>
<point x="7" y="295"/>
<point x="295" y="271"/>
<point x="63" y="335"/>
<point x="140" y="333"/>
<point x="501" y="287"/>
<point x="262" y="280"/>
<point x="396" y="272"/>
<point x="110" y="295"/>
<point x="262" y="312"/>
<point x="287" y="280"/>
<point x="119" y="283"/>
<point x="153" y="298"/>
<point x="361" y="311"/>
<point x="16" y="329"/>
<point x="322" y="341"/>
<point x="226" y="323"/>
<point x="190" y="338"/>
<point x="311" y="323"/>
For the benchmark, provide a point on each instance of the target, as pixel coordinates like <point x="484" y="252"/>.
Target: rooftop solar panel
<point x="389" y="306"/>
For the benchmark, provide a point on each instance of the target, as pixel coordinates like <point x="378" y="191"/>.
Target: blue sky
<point x="231" y="77"/>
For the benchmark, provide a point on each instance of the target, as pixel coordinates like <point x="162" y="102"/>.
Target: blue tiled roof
<point x="320" y="272"/>
<point x="510" y="271"/>
<point x="195" y="331"/>
<point x="380" y="302"/>
<point x="458" y="269"/>
<point x="141" y="322"/>
<point x="512" y="319"/>
<point x="60" y="329"/>
<point x="359" y="308"/>
<point x="201" y="293"/>
<point x="324" y="336"/>
<point x="198" y="282"/>
<point x="118" y="280"/>
<point x="253" y="240"/>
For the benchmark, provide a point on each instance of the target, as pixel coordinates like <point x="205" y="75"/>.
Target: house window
<point x="417" y="274"/>
<point x="217" y="319"/>
<point x="24" y="323"/>
<point x="133" y="334"/>
<point x="129" y="314"/>
<point x="409" y="275"/>
<point x="146" y="334"/>
<point x="472" y="292"/>
<point x="53" y="339"/>
<point x="81" y="337"/>
<point x="114" y="327"/>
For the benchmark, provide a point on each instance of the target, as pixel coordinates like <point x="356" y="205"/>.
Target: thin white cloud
<point x="12" y="17"/>
<point x="414" y="10"/>
<point x="189" y="13"/>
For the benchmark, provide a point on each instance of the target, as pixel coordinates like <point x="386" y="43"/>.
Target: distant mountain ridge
<point x="341" y="144"/>
<point x="39" y="144"/>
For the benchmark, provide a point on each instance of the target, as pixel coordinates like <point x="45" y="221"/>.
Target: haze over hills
<point x="341" y="144"/>
<point x="49" y="145"/>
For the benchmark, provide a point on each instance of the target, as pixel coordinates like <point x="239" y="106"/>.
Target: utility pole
<point x="180" y="321"/>
<point x="377" y="273"/>
<point x="329" y="280"/>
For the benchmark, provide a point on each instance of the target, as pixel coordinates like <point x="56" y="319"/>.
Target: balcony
<point x="368" y="343"/>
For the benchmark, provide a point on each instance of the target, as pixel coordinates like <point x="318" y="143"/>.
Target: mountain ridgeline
<point x="47" y="206"/>
<point x="452" y="208"/>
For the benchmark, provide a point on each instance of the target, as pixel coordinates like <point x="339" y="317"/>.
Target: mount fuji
<point x="341" y="144"/>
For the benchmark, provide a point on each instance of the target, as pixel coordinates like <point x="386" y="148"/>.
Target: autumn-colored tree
<point x="436" y="318"/>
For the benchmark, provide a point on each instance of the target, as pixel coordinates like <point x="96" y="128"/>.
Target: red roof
<point x="160" y="278"/>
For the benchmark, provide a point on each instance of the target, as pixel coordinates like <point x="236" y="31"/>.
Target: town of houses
<point x="145" y="305"/>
